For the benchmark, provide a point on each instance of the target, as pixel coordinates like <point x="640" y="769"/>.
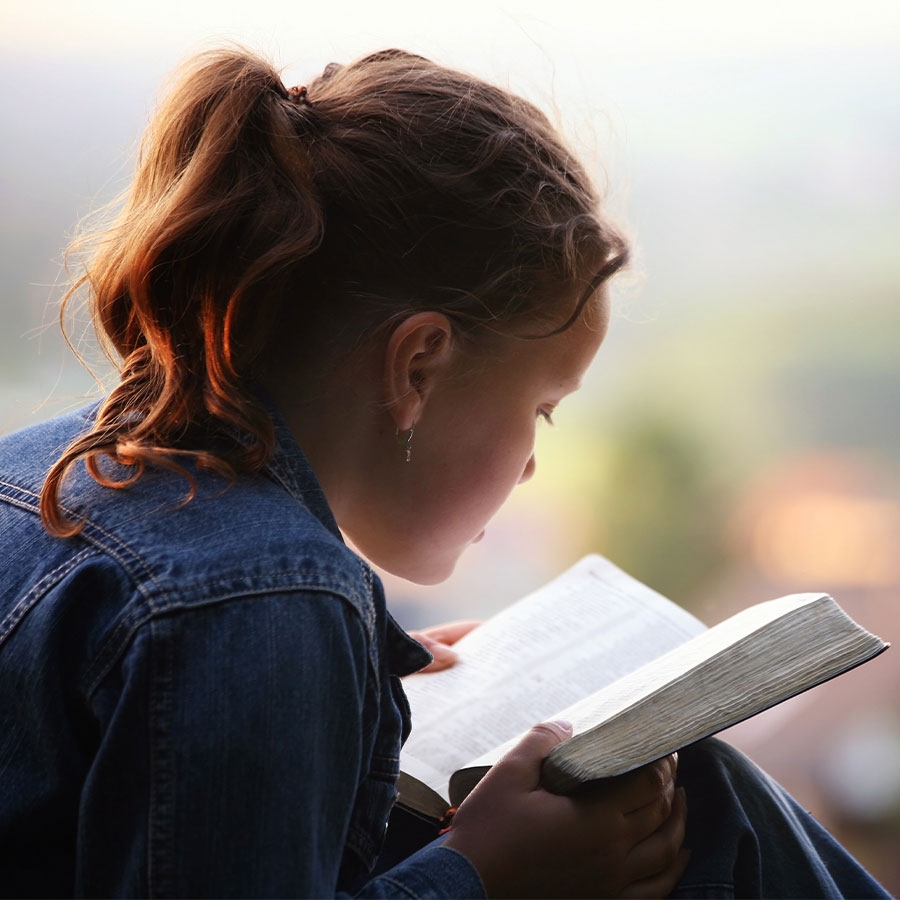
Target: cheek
<point x="448" y="504"/>
<point x="493" y="474"/>
<point x="455" y="500"/>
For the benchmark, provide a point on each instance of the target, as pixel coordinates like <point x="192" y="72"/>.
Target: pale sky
<point x="587" y="58"/>
<point x="502" y="30"/>
<point x="753" y="145"/>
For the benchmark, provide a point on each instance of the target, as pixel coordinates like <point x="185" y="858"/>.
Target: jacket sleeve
<point x="233" y="741"/>
<point x="432" y="872"/>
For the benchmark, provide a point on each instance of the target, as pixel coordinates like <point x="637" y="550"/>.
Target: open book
<point x="637" y="676"/>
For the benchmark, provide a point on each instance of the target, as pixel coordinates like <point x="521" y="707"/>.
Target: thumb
<point x="523" y="762"/>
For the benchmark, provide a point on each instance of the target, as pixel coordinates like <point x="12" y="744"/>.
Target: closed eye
<point x="546" y="416"/>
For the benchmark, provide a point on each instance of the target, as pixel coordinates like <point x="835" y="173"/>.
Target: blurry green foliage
<point x="661" y="513"/>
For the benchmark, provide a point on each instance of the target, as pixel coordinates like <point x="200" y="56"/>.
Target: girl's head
<point x="271" y="235"/>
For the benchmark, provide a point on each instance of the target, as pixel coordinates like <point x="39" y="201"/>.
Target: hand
<point x="621" y="838"/>
<point x="438" y="641"/>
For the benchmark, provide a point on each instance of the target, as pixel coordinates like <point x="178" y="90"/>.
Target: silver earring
<point x="405" y="443"/>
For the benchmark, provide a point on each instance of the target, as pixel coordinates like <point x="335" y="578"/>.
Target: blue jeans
<point x="747" y="837"/>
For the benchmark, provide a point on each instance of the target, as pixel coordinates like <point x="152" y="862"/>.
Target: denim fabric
<point x="204" y="700"/>
<point x="747" y="837"/>
<point x="196" y="699"/>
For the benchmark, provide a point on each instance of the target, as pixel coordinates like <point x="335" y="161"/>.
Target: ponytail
<point x="264" y="221"/>
<point x="185" y="285"/>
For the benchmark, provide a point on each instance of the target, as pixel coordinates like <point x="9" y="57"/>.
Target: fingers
<point x="646" y="786"/>
<point x="660" y="885"/>
<point x="667" y="838"/>
<point x="644" y="822"/>
<point x="525" y="841"/>
<point x="450" y="632"/>
<point x="661" y="854"/>
<point x="522" y="765"/>
<point x="437" y="640"/>
<point x="635" y="790"/>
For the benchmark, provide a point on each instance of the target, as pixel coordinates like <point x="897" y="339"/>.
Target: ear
<point x="418" y="352"/>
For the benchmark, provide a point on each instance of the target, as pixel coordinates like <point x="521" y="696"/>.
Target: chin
<point x="417" y="568"/>
<point x="418" y="571"/>
<point x="433" y="577"/>
<point x="425" y="574"/>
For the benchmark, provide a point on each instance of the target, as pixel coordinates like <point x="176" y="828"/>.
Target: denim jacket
<point x="196" y="699"/>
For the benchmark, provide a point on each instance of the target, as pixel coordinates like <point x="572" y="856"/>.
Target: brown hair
<point x="386" y="186"/>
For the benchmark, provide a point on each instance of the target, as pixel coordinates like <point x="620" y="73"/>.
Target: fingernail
<point x="442" y="652"/>
<point x="562" y="725"/>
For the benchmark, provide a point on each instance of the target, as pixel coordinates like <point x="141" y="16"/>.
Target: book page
<point x="582" y="631"/>
<point x="758" y="661"/>
<point x="737" y="668"/>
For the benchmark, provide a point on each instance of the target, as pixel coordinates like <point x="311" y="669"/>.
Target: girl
<point x="340" y="306"/>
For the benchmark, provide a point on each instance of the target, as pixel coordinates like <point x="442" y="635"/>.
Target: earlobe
<point x="418" y="352"/>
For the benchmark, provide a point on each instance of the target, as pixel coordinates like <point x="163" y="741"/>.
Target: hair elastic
<point x="299" y="95"/>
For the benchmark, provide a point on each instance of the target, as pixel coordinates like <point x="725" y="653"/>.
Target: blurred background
<point x="738" y="437"/>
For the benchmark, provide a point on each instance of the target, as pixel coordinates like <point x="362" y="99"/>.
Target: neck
<point x="341" y="428"/>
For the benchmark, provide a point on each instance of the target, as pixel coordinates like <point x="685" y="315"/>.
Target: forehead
<point x="586" y="332"/>
<point x="573" y="350"/>
<point x="557" y="362"/>
<point x="562" y="357"/>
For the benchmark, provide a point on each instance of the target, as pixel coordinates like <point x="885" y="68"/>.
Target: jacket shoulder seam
<point x="115" y="644"/>
<point x="38" y="589"/>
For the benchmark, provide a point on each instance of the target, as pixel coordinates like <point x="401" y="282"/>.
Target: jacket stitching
<point x="115" y="551"/>
<point x="38" y="589"/>
<point x="128" y="626"/>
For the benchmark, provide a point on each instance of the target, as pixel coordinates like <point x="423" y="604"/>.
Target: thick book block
<point x="638" y="677"/>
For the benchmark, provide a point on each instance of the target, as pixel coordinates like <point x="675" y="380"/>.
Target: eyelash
<point x="545" y="415"/>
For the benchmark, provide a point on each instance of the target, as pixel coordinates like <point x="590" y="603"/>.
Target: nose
<point x="528" y="471"/>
